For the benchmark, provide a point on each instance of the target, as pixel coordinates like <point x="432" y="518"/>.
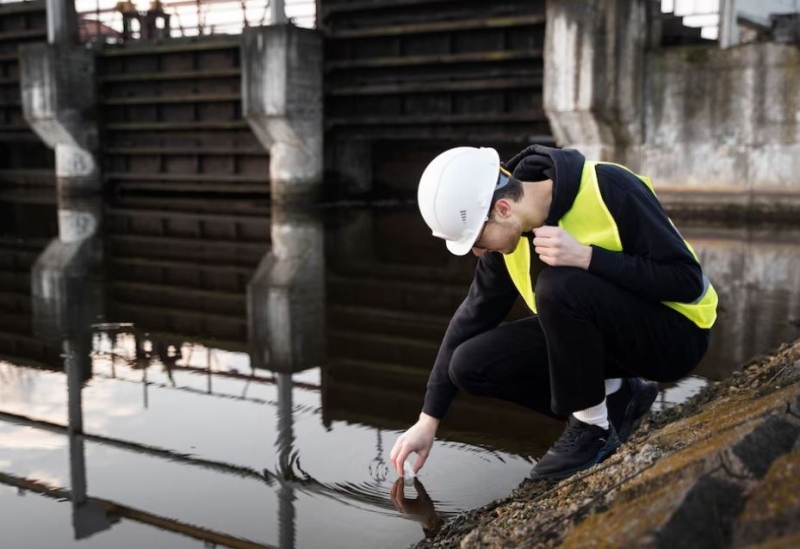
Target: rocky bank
<point x="720" y="470"/>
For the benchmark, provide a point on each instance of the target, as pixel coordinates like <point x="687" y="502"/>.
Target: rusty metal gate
<point x="172" y="119"/>
<point x="413" y="76"/>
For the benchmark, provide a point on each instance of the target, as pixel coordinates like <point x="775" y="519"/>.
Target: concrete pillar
<point x="282" y="101"/>
<point x="62" y="22"/>
<point x="58" y="100"/>
<point x="594" y="76"/>
<point x="286" y="296"/>
<point x="66" y="280"/>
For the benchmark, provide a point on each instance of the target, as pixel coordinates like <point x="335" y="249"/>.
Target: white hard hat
<point x="455" y="193"/>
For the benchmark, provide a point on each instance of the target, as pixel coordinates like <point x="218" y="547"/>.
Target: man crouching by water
<point x="616" y="293"/>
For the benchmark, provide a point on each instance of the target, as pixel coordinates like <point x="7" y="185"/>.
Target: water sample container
<point x="408" y="473"/>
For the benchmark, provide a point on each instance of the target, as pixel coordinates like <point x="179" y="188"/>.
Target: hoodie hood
<point x="563" y="166"/>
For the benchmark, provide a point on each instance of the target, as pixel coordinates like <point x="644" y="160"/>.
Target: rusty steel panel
<point x="422" y="75"/>
<point x="172" y="120"/>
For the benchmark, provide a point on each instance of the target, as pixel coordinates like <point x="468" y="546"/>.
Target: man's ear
<point x="502" y="208"/>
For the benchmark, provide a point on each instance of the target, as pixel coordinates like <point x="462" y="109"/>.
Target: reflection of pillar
<point x="285" y="442"/>
<point x="286" y="321"/>
<point x="88" y="517"/>
<point x="286" y="296"/>
<point x="67" y="285"/>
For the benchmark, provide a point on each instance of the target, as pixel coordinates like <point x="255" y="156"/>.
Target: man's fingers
<point x="421" y="457"/>
<point x="401" y="459"/>
<point x="547" y="231"/>
<point x="548" y="242"/>
<point x="545" y="252"/>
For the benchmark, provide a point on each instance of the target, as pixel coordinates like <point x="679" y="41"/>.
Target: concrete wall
<point x="727" y="120"/>
<point x="716" y="130"/>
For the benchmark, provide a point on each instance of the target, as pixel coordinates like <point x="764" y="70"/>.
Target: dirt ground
<point x="702" y="466"/>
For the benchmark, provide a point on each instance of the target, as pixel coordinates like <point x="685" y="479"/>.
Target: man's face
<point x="498" y="236"/>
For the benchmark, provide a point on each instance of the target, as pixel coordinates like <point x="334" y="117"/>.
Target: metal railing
<point x="114" y="21"/>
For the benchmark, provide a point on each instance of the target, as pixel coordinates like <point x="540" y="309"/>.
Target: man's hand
<point x="419" y="439"/>
<point x="557" y="248"/>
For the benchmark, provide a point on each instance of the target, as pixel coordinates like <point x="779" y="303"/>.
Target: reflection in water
<point x="421" y="507"/>
<point x="237" y="375"/>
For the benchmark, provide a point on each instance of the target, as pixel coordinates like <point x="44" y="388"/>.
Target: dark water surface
<point x="207" y="425"/>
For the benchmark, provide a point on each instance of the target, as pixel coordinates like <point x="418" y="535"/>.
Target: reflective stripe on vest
<point x="590" y="222"/>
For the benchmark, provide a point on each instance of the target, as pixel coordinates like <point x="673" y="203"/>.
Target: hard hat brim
<point x="462" y="247"/>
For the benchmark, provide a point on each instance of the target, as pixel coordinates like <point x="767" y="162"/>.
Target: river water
<point x="148" y="402"/>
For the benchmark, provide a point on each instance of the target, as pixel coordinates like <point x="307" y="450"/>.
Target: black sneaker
<point x="579" y="447"/>
<point x="629" y="404"/>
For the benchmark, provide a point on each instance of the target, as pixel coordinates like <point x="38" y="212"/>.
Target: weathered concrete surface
<point x="720" y="470"/>
<point x="594" y="68"/>
<point x="717" y="130"/>
<point x="58" y="100"/>
<point x="725" y="122"/>
<point x="282" y="102"/>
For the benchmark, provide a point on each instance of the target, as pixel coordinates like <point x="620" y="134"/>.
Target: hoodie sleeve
<point x="489" y="300"/>
<point x="655" y="262"/>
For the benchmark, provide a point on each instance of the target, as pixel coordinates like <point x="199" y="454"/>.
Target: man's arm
<point x="655" y="263"/>
<point x="490" y="298"/>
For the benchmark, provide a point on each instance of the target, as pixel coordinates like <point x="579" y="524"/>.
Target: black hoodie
<point x="655" y="263"/>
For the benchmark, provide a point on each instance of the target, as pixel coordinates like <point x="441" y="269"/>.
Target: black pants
<point x="587" y="330"/>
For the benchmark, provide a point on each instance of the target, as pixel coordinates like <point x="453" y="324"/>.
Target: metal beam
<point x="434" y="86"/>
<point x="433" y="119"/>
<point x="170" y="99"/>
<point x="177" y="126"/>
<point x="450" y="58"/>
<point x="205" y="44"/>
<point x="442" y="26"/>
<point x="169" y="75"/>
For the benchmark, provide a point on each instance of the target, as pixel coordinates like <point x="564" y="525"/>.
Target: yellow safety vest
<point x="590" y="222"/>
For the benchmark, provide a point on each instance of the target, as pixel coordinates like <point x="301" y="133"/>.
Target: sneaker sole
<point x="638" y="406"/>
<point x="606" y="452"/>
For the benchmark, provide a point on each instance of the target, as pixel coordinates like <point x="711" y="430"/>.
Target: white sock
<point x="596" y="415"/>
<point x="613" y="385"/>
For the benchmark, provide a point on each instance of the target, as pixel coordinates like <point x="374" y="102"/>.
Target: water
<point x="205" y="426"/>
